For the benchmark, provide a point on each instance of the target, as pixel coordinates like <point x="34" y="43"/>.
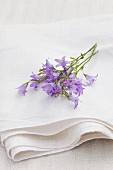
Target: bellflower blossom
<point x="34" y="84"/>
<point x="22" y="89"/>
<point x="47" y="68"/>
<point x="91" y="79"/>
<point x="35" y="77"/>
<point x="52" y="89"/>
<point x="35" y="81"/>
<point x="62" y="62"/>
<point x="63" y="82"/>
<point x="75" y="100"/>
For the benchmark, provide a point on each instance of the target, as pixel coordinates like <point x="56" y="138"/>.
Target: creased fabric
<point x="37" y="124"/>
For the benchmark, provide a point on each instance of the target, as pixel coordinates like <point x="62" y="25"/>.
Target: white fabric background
<point x="44" y="11"/>
<point x="94" y="154"/>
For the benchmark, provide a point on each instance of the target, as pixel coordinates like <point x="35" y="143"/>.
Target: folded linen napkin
<point x="38" y="124"/>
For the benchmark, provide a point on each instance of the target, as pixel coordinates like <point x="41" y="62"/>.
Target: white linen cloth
<point x="38" y="124"/>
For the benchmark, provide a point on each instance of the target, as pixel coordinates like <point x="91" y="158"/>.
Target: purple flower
<point x="35" y="81"/>
<point x="73" y="86"/>
<point x="48" y="68"/>
<point x="72" y="76"/>
<point x="68" y="70"/>
<point x="22" y="89"/>
<point x="47" y="88"/>
<point x="35" y="77"/>
<point x="49" y="72"/>
<point x="47" y="65"/>
<point x="52" y="89"/>
<point x="52" y="77"/>
<point x="34" y="84"/>
<point x="69" y="86"/>
<point x="79" y="87"/>
<point x="74" y="99"/>
<point x="62" y="62"/>
<point x="91" y="79"/>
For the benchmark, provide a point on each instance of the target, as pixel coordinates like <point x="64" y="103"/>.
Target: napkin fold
<point x="38" y="124"/>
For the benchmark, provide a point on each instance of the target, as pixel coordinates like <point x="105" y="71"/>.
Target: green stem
<point x="92" y="48"/>
<point x="82" y="55"/>
<point x="85" y="63"/>
<point x="87" y="59"/>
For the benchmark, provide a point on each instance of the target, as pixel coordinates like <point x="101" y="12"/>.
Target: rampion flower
<point x="91" y="79"/>
<point x="47" y="68"/>
<point x="62" y="62"/>
<point x="52" y="89"/>
<point x="52" y="77"/>
<point x="79" y="87"/>
<point x="75" y="100"/>
<point x="47" y="88"/>
<point x="69" y="86"/>
<point x="73" y="86"/>
<point x="68" y="70"/>
<point x="35" y="77"/>
<point x="72" y="76"/>
<point x="34" y="84"/>
<point x="47" y="65"/>
<point x="22" y="89"/>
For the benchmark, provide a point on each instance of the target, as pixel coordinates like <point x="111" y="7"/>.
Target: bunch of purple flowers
<point x="62" y="79"/>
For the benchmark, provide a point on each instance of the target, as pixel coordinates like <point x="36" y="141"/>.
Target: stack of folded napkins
<point x="38" y="124"/>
